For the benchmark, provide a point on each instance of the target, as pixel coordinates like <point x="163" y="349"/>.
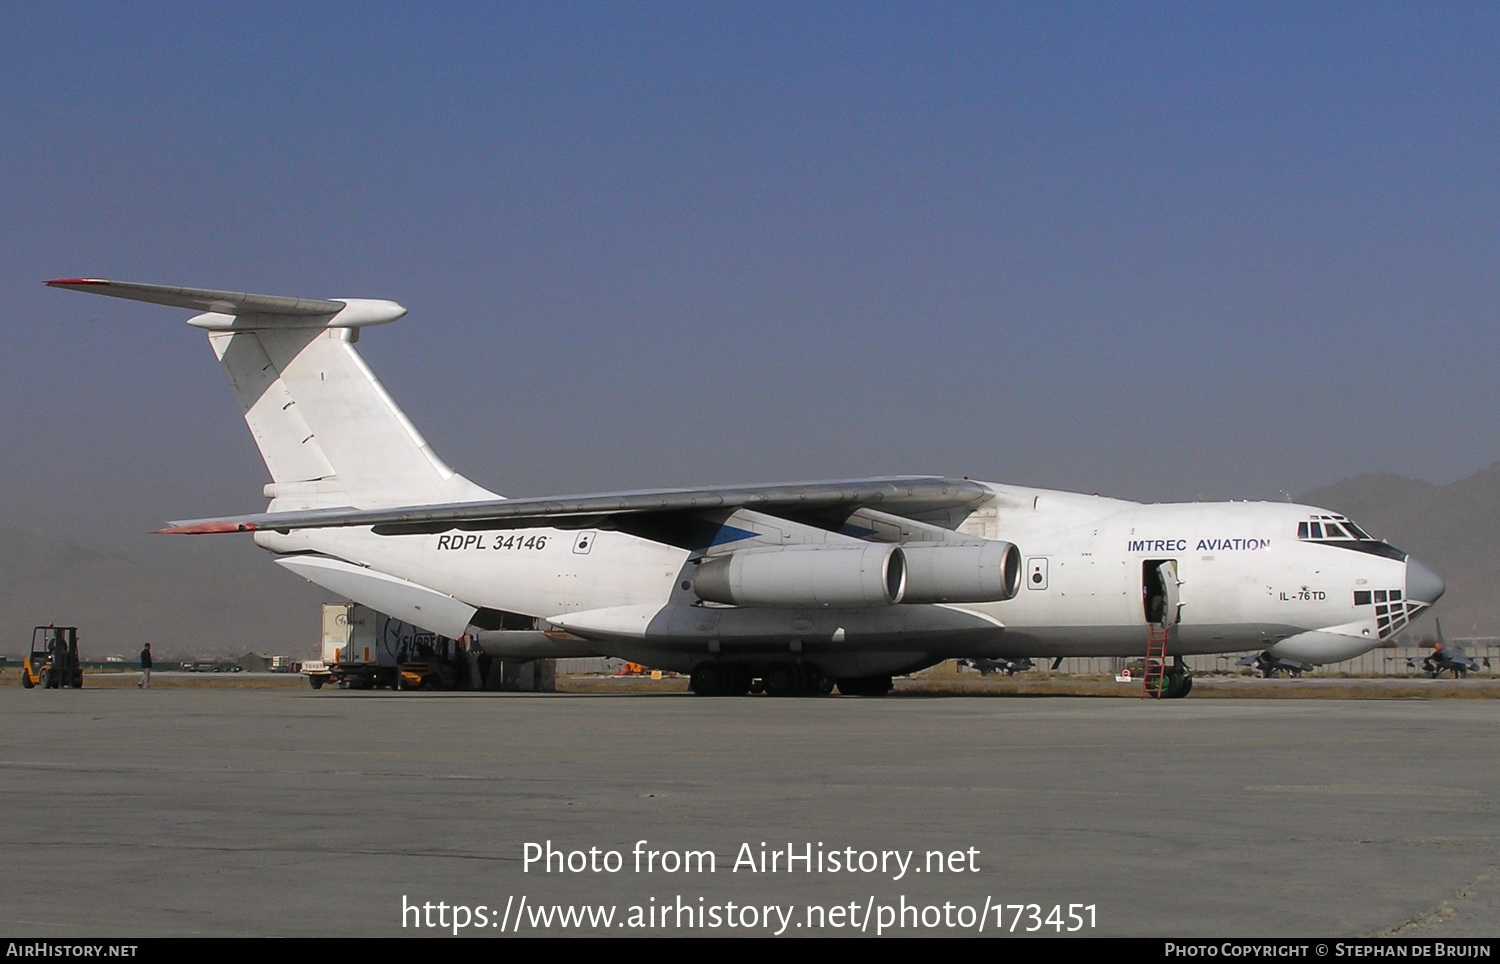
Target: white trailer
<point x="365" y="649"/>
<point x="361" y="648"/>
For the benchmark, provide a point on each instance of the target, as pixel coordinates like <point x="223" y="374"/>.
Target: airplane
<point x="1271" y="667"/>
<point x="1009" y="667"/>
<point x="791" y="587"/>
<point x="1447" y="657"/>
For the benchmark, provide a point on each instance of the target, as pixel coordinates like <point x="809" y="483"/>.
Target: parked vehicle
<point x="53" y="660"/>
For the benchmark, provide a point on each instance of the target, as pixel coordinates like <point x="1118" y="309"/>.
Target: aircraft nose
<point x="1422" y="584"/>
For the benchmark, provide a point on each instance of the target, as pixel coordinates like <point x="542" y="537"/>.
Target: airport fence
<point x="1396" y="661"/>
<point x="1400" y="661"/>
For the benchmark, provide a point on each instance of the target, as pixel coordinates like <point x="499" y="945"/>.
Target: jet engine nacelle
<point x="836" y="576"/>
<point x="942" y="573"/>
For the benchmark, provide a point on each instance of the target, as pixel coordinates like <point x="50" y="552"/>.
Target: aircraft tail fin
<point x="1452" y="649"/>
<point x="329" y="433"/>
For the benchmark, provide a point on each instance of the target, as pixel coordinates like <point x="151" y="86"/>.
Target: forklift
<point x="53" y="662"/>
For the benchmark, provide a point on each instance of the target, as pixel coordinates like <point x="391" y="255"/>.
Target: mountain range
<point x="1454" y="529"/>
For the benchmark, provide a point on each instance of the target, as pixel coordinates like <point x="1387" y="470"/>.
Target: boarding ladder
<point x="1153" y="677"/>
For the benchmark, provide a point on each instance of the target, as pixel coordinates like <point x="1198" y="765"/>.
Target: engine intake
<point x="837" y="576"/>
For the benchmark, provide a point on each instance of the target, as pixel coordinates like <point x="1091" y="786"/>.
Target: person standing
<point x="145" y="682"/>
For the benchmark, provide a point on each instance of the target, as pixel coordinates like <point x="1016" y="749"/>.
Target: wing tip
<point x="74" y="282"/>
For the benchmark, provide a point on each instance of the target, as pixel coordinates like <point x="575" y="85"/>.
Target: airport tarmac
<point x="245" y="811"/>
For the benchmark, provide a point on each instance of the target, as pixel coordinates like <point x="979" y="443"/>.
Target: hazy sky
<point x="1156" y="251"/>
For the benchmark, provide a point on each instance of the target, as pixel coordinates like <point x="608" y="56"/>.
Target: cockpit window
<point x="1337" y="531"/>
<point x="1332" y="527"/>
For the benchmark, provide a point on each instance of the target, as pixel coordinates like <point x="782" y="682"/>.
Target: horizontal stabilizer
<point x="911" y="495"/>
<point x="201" y="299"/>
<point x="242" y="310"/>
<point x="329" y="433"/>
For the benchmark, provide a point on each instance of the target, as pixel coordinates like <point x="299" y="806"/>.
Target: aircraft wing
<point x="906" y="496"/>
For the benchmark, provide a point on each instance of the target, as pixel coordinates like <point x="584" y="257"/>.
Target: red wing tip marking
<point x="205" y="528"/>
<point x="61" y="282"/>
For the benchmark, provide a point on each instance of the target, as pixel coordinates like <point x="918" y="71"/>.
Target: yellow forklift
<point x="53" y="661"/>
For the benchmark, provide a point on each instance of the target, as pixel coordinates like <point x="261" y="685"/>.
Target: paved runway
<point x="251" y="811"/>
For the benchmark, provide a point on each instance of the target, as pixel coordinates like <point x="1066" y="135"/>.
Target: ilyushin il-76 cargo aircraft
<point x="791" y="588"/>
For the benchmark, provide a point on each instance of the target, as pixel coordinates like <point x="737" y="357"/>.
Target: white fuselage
<point x="1246" y="582"/>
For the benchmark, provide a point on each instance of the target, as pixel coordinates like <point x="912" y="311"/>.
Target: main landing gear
<point x="780" y="679"/>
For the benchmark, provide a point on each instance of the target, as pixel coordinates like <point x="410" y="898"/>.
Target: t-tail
<point x="329" y="433"/>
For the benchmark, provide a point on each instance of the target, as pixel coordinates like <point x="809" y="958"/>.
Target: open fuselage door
<point x="1161" y="592"/>
<point x="1161" y="596"/>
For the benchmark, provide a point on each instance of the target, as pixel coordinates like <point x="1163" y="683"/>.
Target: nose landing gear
<point x="1176" y="682"/>
<point x="1173" y="684"/>
<point x="1179" y="683"/>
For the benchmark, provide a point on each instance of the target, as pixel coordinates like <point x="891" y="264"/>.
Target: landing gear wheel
<point x="783" y="679"/>
<point x="1178" y="685"/>
<point x="812" y="682"/>
<point x="710" y="679"/>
